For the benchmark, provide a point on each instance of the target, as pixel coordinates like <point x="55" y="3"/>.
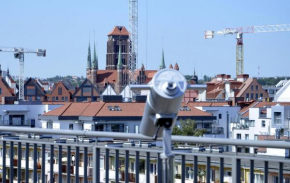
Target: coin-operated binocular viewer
<point x="162" y="105"/>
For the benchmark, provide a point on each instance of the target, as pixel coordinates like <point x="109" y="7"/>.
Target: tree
<point x="187" y="128"/>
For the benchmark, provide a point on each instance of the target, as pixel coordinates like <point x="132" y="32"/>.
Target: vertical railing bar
<point x="252" y="178"/>
<point x="195" y="169"/>
<point x="51" y="163"/>
<point x="4" y="162"/>
<point x="182" y="168"/>
<point x="98" y="155"/>
<point x="85" y="164"/>
<point x="43" y="162"/>
<point x="159" y="167"/>
<point x="137" y="167"/>
<point x="208" y="169"/>
<point x="147" y="167"/>
<point x="68" y="164"/>
<point x="117" y="166"/>
<point x="19" y="162"/>
<point x="126" y="166"/>
<point x="35" y="163"/>
<point x="60" y="164"/>
<point x="11" y="160"/>
<point x="107" y="165"/>
<point x="280" y="172"/>
<point x="77" y="164"/>
<point x="26" y="162"/>
<point x="266" y="171"/>
<point x="221" y="170"/>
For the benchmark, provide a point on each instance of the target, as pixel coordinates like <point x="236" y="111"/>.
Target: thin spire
<point x="95" y="58"/>
<point x="162" y="65"/>
<point x="120" y="64"/>
<point x="89" y="64"/>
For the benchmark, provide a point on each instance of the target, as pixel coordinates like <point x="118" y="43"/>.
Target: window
<point x="71" y="126"/>
<point x="136" y="129"/>
<point x="123" y="48"/>
<point x="53" y="98"/>
<point x="277" y="118"/>
<point x="239" y="136"/>
<point x="127" y="129"/>
<point x="247" y="150"/>
<point x="257" y="87"/>
<point x="87" y="89"/>
<point x="56" y="98"/>
<point x="252" y="96"/>
<point x="90" y="161"/>
<point x="263" y="123"/>
<point x="247" y="95"/>
<point x="49" y="125"/>
<point x="256" y="137"/>
<point x="0" y="91"/>
<point x="220" y="116"/>
<point x="187" y="172"/>
<point x="239" y="149"/>
<point x="66" y="99"/>
<point x="59" y="91"/>
<point x="261" y="95"/>
<point x="30" y="91"/>
<point x="62" y="98"/>
<point x="117" y="48"/>
<point x="252" y="87"/>
<point x="247" y="136"/>
<point x="38" y="98"/>
<point x="257" y="95"/>
<point x="132" y="166"/>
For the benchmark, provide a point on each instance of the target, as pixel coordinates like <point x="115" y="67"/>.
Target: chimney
<point x="242" y="77"/>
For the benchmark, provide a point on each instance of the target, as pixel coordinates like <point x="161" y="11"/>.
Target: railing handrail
<point x="180" y="139"/>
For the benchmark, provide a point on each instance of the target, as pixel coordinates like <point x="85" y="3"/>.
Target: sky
<point x="64" y="28"/>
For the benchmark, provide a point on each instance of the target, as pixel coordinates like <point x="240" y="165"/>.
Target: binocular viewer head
<point x="163" y="101"/>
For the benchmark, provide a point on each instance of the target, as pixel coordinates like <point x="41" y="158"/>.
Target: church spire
<point x="120" y="64"/>
<point x="89" y="57"/>
<point x="162" y="65"/>
<point x="95" y="59"/>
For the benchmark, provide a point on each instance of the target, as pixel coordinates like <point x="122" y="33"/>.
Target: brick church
<point x="117" y="58"/>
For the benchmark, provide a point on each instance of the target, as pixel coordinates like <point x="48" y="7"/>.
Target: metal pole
<point x="167" y="157"/>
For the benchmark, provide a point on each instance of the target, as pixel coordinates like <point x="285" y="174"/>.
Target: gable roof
<point x="36" y="84"/>
<point x="82" y="85"/>
<point x="244" y="86"/>
<point x="119" y="31"/>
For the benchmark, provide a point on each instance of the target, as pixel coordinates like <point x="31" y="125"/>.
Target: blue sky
<point x="63" y="28"/>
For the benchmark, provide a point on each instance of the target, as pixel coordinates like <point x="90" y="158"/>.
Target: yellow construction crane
<point x="240" y="45"/>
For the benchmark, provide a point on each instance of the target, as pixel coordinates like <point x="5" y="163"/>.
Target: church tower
<point x="94" y="67"/>
<point x="162" y="64"/>
<point x="89" y="64"/>
<point x="118" y="37"/>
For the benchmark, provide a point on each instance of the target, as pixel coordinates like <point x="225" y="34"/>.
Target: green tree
<point x="187" y="128"/>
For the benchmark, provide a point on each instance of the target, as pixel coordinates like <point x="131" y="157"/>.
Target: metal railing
<point x="15" y="122"/>
<point x="76" y="158"/>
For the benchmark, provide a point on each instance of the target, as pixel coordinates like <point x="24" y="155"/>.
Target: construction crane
<point x="240" y="45"/>
<point x="133" y="37"/>
<point x="19" y="54"/>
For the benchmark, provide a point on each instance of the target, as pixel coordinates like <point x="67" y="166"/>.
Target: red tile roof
<point x="119" y="31"/>
<point x="101" y="109"/>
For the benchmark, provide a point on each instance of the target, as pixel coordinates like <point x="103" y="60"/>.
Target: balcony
<point x="15" y="123"/>
<point x="103" y="162"/>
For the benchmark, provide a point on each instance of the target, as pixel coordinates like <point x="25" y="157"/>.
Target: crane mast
<point x="19" y="54"/>
<point x="133" y="38"/>
<point x="240" y="44"/>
